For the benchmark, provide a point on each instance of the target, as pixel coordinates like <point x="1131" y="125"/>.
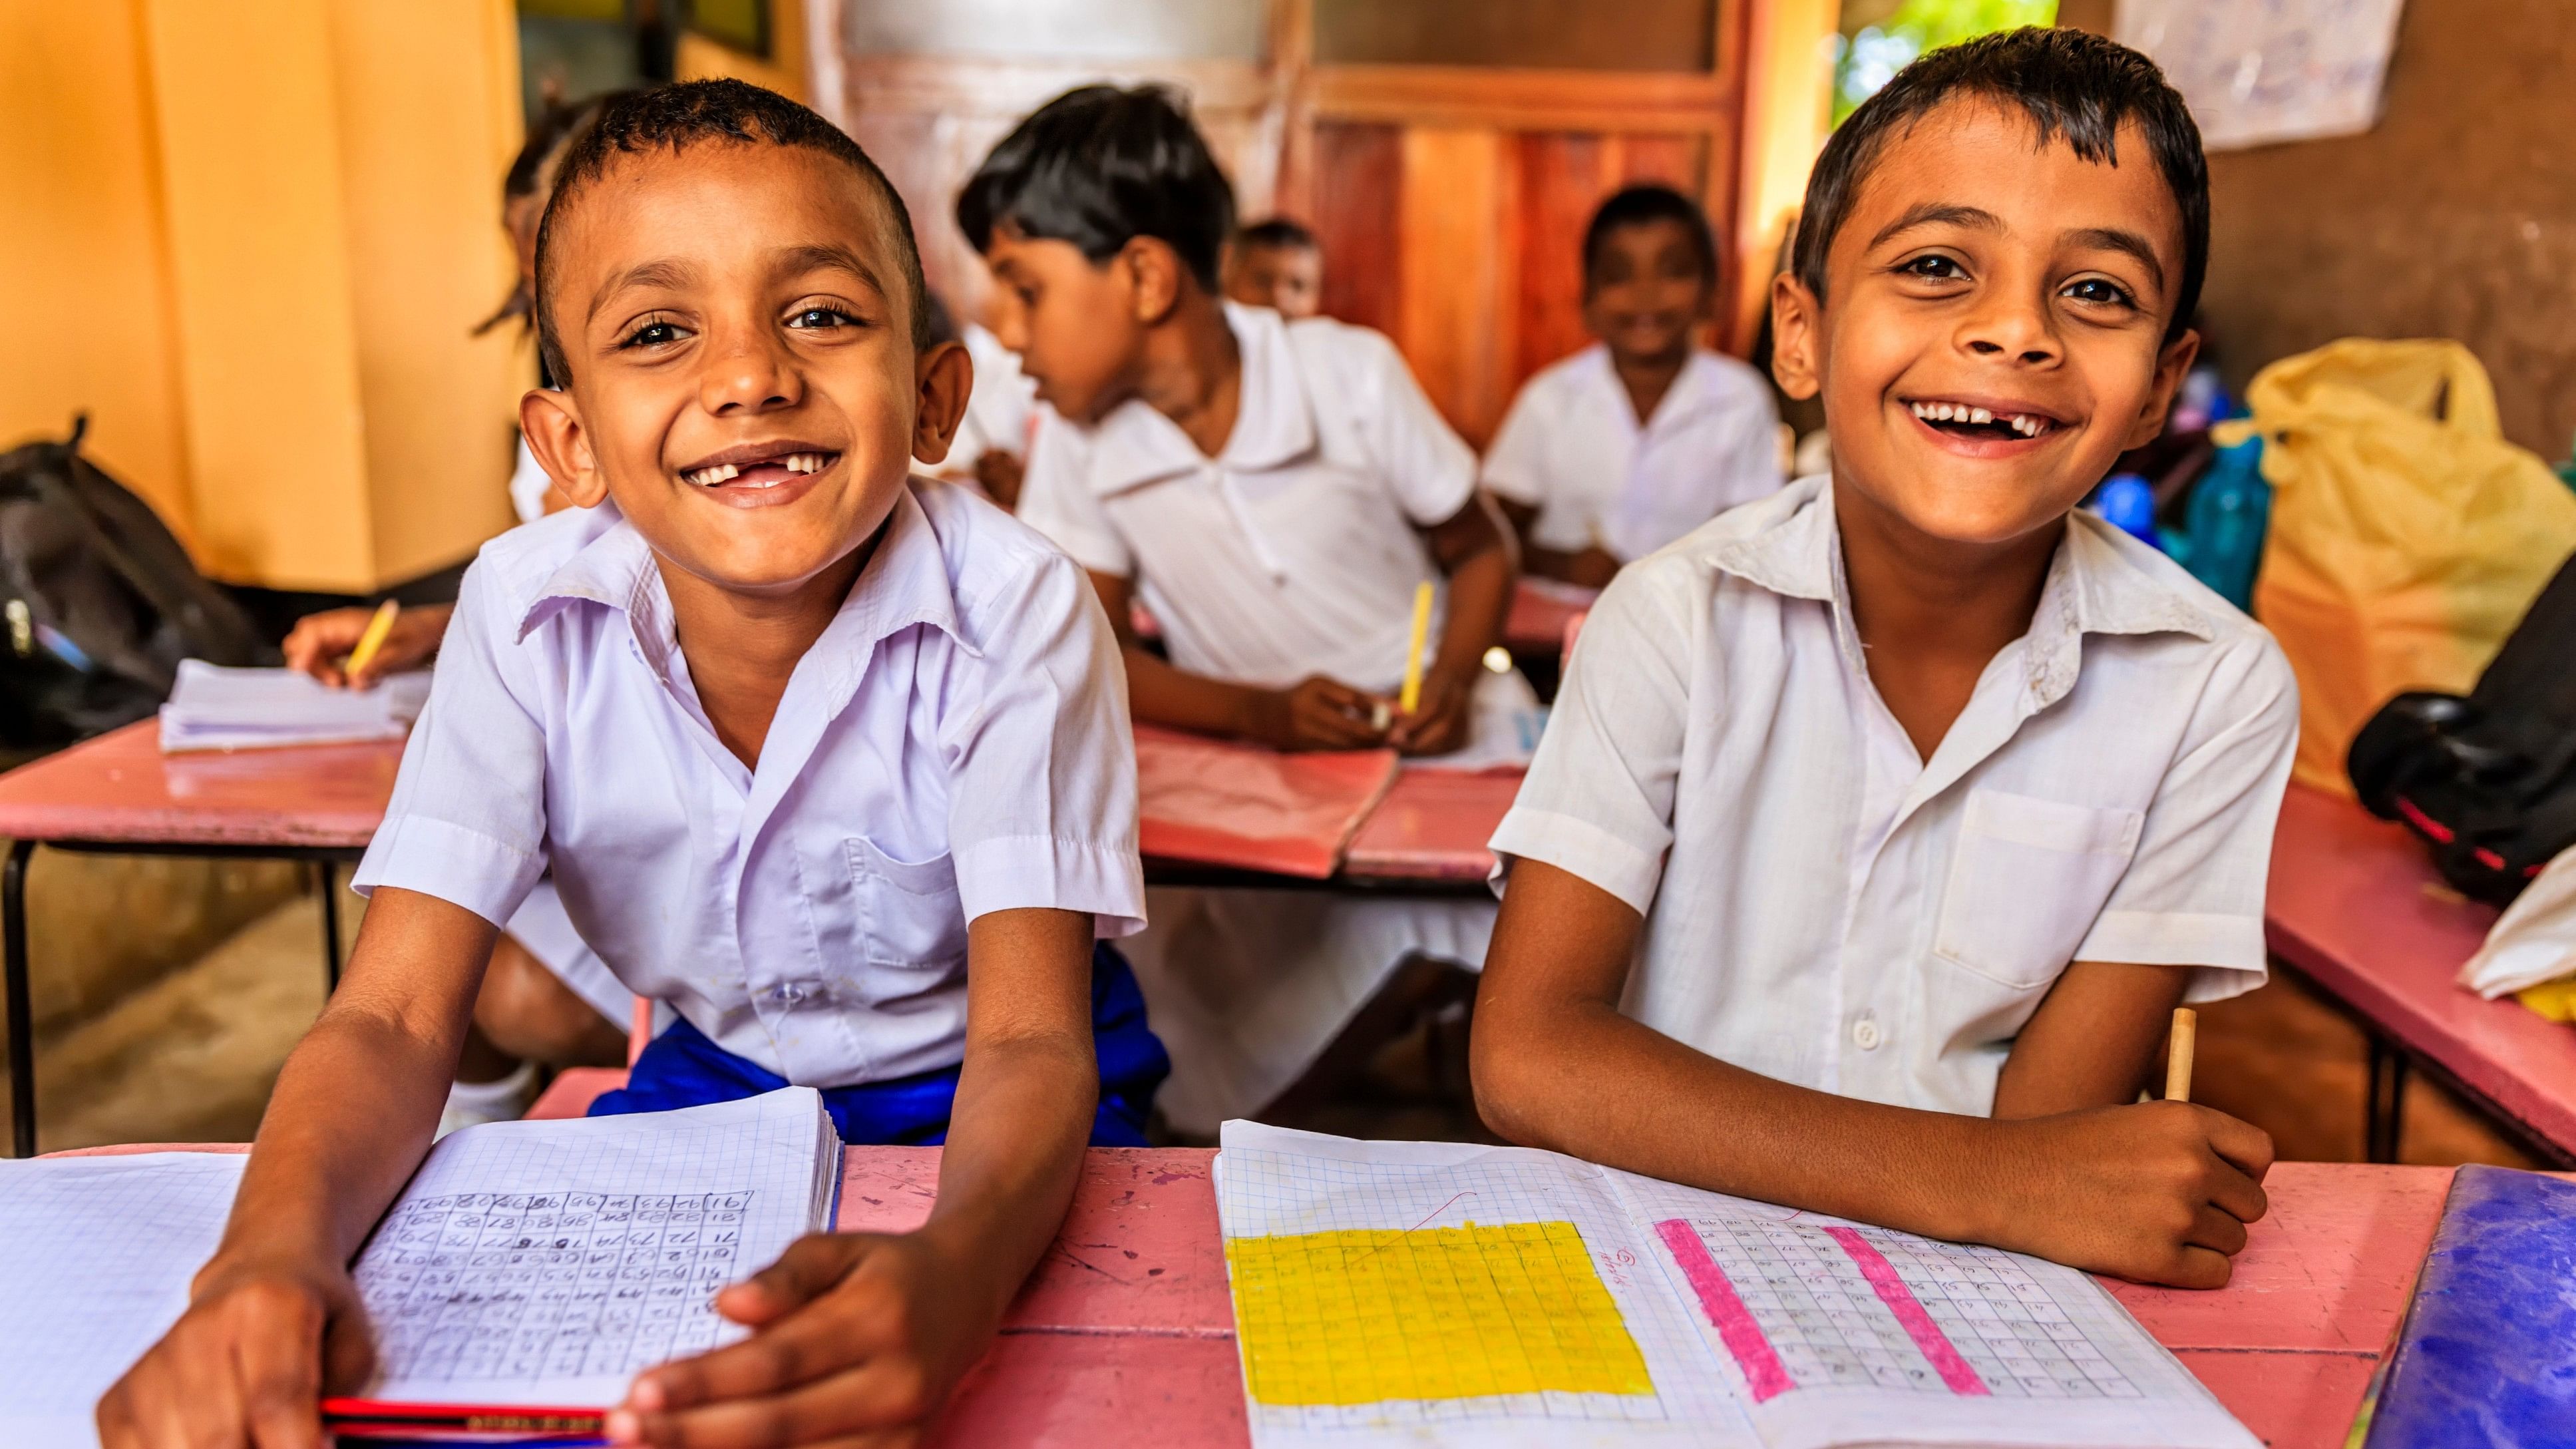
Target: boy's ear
<point x="2172" y="365"/>
<point x="944" y="375"/>
<point x="1797" y="337"/>
<point x="1154" y="277"/>
<point x="552" y="425"/>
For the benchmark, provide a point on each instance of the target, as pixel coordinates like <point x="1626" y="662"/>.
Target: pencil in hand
<point x="2186" y="1029"/>
<point x="1411" y="699"/>
<point x="372" y="640"/>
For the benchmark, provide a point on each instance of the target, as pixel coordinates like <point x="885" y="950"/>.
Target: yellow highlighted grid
<point x="1431" y="1313"/>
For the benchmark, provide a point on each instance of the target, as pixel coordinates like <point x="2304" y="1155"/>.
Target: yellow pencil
<point x="372" y="640"/>
<point x="2186" y="1030"/>
<point x="1412" y="695"/>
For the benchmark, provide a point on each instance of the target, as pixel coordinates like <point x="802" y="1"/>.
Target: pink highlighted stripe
<point x="1927" y="1335"/>
<point x="1763" y="1371"/>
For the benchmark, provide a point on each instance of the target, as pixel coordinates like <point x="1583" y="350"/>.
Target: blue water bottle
<point x="2221" y="540"/>
<point x="2128" y="502"/>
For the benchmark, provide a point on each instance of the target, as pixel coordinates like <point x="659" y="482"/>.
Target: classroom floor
<point x="191" y="1057"/>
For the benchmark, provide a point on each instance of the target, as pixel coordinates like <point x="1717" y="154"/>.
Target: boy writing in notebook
<point x="832" y="761"/>
<point x="1881" y="825"/>
<point x="1645" y="435"/>
<point x="1276" y="492"/>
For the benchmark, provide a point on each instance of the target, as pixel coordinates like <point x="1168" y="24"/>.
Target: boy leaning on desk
<point x="833" y="761"/>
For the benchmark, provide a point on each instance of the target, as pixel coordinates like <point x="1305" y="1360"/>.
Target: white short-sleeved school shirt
<point x="955" y="743"/>
<point x="1572" y="448"/>
<point x="1292" y="553"/>
<point x="1825" y="908"/>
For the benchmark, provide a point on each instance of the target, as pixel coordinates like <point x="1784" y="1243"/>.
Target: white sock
<point x="498" y="1093"/>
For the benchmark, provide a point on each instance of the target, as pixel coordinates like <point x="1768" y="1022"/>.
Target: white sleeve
<point x="1516" y="462"/>
<point x="2193" y="893"/>
<point x="1598" y="801"/>
<point x="1753" y="464"/>
<point x="1056" y="500"/>
<point x="467" y="822"/>
<point x="1042" y="792"/>
<point x="1430" y="468"/>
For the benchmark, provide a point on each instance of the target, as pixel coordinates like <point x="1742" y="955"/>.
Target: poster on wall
<point x="2259" y="71"/>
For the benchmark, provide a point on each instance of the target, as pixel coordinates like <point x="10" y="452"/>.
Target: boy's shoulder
<point x="514" y="568"/>
<point x="1732" y="378"/>
<point x="1586" y="371"/>
<point x="997" y="565"/>
<point x="1335" y="348"/>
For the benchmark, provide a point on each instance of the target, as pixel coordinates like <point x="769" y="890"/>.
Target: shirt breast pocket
<point x="911" y="912"/>
<point x="2027" y="880"/>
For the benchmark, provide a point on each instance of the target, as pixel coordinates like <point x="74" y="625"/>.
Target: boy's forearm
<point x="1015" y="1144"/>
<point x="1480" y="599"/>
<point x="1158" y="693"/>
<point x="358" y="1100"/>
<point x="1594" y="1083"/>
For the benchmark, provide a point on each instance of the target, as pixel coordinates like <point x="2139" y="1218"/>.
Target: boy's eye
<point x="820" y="317"/>
<point x="1936" y="267"/>
<point x="2096" y="290"/>
<point x="654" y="334"/>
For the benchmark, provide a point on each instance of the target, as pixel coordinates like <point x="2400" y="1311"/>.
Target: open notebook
<point x="520" y="1282"/>
<point x="1425" y="1294"/>
<point x="215" y="708"/>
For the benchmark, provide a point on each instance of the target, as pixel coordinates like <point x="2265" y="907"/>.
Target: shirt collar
<point x="1274" y="423"/>
<point x="1789" y="544"/>
<point x="905" y="582"/>
<point x="1696" y="389"/>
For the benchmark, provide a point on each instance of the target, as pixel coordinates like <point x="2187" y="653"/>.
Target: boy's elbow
<point x="1504" y="1070"/>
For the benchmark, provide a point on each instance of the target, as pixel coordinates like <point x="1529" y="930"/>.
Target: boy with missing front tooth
<point x="831" y="760"/>
<point x="1881" y="824"/>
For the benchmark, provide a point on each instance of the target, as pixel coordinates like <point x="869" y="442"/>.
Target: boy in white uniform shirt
<point x="1276" y="490"/>
<point x="831" y="760"/>
<point x="1881" y="825"/>
<point x="1645" y="435"/>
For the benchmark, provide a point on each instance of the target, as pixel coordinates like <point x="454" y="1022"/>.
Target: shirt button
<point x="1865" y="1034"/>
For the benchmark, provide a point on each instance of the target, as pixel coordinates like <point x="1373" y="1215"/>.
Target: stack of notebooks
<point x="215" y="708"/>
<point x="517" y="1286"/>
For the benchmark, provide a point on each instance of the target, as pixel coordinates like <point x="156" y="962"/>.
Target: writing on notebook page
<point x="1800" y="1306"/>
<point x="482" y="1287"/>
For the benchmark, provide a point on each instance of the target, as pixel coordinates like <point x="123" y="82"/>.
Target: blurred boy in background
<point x="1276" y="264"/>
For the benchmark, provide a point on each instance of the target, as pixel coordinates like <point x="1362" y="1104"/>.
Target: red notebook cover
<point x="1216" y="802"/>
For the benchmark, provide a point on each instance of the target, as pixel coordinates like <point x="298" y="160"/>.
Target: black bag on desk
<point x="98" y="602"/>
<point x="2489" y="782"/>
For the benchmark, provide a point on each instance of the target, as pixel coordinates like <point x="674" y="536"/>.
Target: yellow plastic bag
<point x="2408" y="537"/>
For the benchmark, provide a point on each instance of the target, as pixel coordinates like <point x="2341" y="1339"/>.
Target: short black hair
<point x="1098" y="167"/>
<point x="674" y="118"/>
<point x="1278" y="233"/>
<point x="1640" y="205"/>
<point x="2069" y="83"/>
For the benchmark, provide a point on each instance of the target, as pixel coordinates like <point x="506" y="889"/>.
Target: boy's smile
<point x="743" y="378"/>
<point x="1993" y="331"/>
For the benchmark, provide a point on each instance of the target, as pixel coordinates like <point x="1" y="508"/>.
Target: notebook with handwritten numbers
<point x="1453" y="1294"/>
<point x="531" y="1269"/>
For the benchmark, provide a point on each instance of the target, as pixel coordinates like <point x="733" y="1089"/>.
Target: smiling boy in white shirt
<point x="1881" y="825"/>
<point x="832" y="760"/>
<point x="1645" y="435"/>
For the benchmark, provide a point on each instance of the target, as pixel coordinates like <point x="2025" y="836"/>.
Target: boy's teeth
<point x="710" y="477"/>
<point x="1980" y="415"/>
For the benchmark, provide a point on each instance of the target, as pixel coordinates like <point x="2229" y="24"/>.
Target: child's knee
<point x="525" y="1010"/>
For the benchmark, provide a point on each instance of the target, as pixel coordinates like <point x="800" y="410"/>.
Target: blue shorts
<point x="682" y="1068"/>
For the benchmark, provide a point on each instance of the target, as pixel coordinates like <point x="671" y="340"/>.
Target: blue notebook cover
<point x="2488" y="1353"/>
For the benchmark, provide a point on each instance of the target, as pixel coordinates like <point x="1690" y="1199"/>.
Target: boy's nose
<point x="753" y="375"/>
<point x="2014" y="330"/>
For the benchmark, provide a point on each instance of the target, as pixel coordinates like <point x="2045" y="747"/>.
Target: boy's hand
<point x="1319" y="714"/>
<point x="2158" y="1192"/>
<point x="857" y="1338"/>
<point x="1438" y="724"/>
<point x="247" y="1364"/>
<point x="321" y="642"/>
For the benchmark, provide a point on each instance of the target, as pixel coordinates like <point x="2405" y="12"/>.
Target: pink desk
<point x="2356" y="908"/>
<point x="1127" y="1321"/>
<point x="1541" y="608"/>
<point x="120" y="793"/>
<point x="1432" y="826"/>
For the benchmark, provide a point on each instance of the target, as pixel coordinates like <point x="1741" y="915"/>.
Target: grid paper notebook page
<point x="545" y="1263"/>
<point x="1444" y="1293"/>
<point x="97" y="1253"/>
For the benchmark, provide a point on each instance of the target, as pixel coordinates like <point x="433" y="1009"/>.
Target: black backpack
<point x="2489" y="782"/>
<point x="98" y="602"/>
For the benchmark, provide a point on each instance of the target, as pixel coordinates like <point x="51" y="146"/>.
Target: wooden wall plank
<point x="1359" y="175"/>
<point x="1446" y="306"/>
